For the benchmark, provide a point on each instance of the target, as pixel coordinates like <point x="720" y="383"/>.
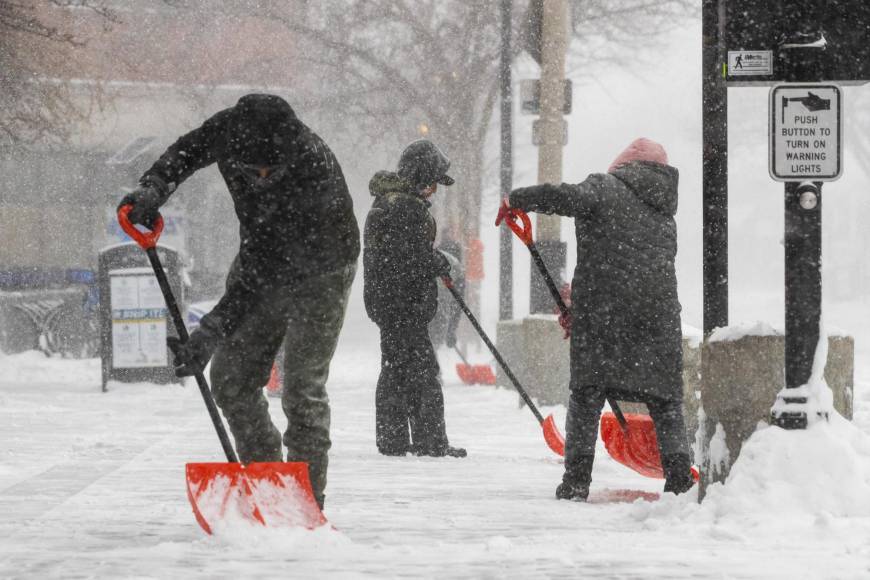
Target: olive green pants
<point x="307" y="318"/>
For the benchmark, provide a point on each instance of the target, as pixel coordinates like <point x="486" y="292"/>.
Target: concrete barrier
<point x="538" y="355"/>
<point x="743" y="369"/>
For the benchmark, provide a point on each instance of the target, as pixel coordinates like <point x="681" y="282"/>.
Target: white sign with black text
<point x="805" y="135"/>
<point x="138" y="320"/>
<point x="750" y="63"/>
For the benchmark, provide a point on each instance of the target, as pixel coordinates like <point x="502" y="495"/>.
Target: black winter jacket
<point x="400" y="267"/>
<point x="626" y="334"/>
<point x="301" y="226"/>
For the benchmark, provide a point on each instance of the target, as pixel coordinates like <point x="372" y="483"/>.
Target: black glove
<point x="192" y="356"/>
<point x="441" y="264"/>
<point x="146" y="201"/>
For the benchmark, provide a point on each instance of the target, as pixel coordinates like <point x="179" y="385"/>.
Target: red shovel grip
<point x="523" y="232"/>
<point x="146" y="240"/>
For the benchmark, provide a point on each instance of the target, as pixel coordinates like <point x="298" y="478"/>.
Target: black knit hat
<point x="423" y="164"/>
<point x="262" y="127"/>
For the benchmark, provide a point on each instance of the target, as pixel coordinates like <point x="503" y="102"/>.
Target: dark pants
<point x="307" y="318"/>
<point x="584" y="415"/>
<point x="409" y="404"/>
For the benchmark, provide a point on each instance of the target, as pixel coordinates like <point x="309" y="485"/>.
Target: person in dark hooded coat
<point x="299" y="242"/>
<point x="401" y="269"/>
<point x="625" y="330"/>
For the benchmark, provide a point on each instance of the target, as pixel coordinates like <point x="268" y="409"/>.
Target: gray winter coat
<point x="626" y="333"/>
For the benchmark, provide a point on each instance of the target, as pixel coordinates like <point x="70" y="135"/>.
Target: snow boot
<point x="455" y="452"/>
<point x="678" y="473"/>
<point x="393" y="451"/>
<point x="573" y="492"/>
<point x="577" y="477"/>
<point x="445" y="451"/>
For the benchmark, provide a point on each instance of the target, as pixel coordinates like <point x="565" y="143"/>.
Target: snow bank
<point x="821" y="472"/>
<point x="806" y="489"/>
<point x="35" y="369"/>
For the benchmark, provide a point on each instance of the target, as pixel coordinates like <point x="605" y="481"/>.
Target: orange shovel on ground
<point x="270" y="494"/>
<point x="473" y="374"/>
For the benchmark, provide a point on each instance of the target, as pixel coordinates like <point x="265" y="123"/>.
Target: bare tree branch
<point x="33" y="109"/>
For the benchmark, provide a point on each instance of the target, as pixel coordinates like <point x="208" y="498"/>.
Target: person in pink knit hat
<point x="626" y="338"/>
<point x="641" y="149"/>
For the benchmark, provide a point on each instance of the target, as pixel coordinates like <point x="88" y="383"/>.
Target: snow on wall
<point x="743" y="329"/>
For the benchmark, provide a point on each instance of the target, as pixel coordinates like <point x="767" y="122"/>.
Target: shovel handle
<point x="145" y="240"/>
<point x="205" y="391"/>
<point x="448" y="283"/>
<point x="148" y="242"/>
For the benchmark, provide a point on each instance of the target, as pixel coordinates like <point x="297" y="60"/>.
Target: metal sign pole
<point x="805" y="140"/>
<point x="715" y="168"/>
<point x="803" y="291"/>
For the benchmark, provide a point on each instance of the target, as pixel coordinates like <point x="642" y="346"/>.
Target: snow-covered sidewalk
<point x="92" y="485"/>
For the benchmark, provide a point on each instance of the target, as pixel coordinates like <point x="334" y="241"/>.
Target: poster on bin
<point x="138" y="320"/>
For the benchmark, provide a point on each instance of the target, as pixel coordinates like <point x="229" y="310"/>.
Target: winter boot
<point x="678" y="473"/>
<point x="455" y="452"/>
<point x="576" y="480"/>
<point x="441" y="451"/>
<point x="578" y="492"/>
<point x="393" y="451"/>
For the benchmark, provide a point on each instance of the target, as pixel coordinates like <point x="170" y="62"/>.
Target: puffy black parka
<point x="300" y="226"/>
<point x="626" y="334"/>
<point x="400" y="266"/>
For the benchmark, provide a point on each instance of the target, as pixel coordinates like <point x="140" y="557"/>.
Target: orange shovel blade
<point x="466" y="373"/>
<point x="552" y="436"/>
<point x="475" y="374"/>
<point x="484" y="374"/>
<point x="638" y="448"/>
<point x="270" y="494"/>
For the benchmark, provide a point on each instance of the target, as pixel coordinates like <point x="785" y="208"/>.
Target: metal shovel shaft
<point x="548" y="279"/>
<point x="204" y="390"/>
<point x="551" y="284"/>
<point x="448" y="282"/>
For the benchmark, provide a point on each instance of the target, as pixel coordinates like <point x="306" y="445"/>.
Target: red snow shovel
<point x="630" y="440"/>
<point x="552" y="436"/>
<point x="272" y="494"/>
<point x="473" y="374"/>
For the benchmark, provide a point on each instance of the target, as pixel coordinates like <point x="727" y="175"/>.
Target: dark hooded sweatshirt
<point x="399" y="265"/>
<point x="626" y="333"/>
<point x="299" y="227"/>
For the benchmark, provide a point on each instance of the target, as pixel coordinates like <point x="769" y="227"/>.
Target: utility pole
<point x="551" y="129"/>
<point x="506" y="264"/>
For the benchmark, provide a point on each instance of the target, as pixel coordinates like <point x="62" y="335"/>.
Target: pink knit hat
<point x="641" y="150"/>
